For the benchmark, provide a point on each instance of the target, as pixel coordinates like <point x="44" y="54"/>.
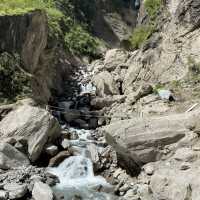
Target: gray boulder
<point x="35" y="124"/>
<point x="144" y="140"/>
<point x="10" y="157"/>
<point x="42" y="191"/>
<point x="115" y="58"/>
<point x="4" y="195"/>
<point x="105" y="84"/>
<point x="15" y="190"/>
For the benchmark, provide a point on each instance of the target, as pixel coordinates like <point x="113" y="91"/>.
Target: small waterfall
<point x="77" y="179"/>
<point x="76" y="175"/>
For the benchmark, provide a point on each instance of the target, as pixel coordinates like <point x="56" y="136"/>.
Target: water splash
<point x="88" y="88"/>
<point x="77" y="180"/>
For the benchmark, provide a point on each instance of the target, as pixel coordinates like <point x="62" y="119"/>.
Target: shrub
<point x="14" y="83"/>
<point x="141" y="34"/>
<point x="80" y="41"/>
<point x="152" y="7"/>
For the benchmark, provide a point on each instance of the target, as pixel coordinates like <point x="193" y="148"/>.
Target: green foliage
<point x="80" y="41"/>
<point x="68" y="21"/>
<point x="141" y="34"/>
<point x="14" y="83"/>
<point x="152" y="7"/>
<point x="15" y="7"/>
<point x="54" y="19"/>
<point x="158" y="87"/>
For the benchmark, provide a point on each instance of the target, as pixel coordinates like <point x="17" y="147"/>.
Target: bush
<point x="152" y="7"/>
<point x="141" y="34"/>
<point x="14" y="83"/>
<point x="80" y="41"/>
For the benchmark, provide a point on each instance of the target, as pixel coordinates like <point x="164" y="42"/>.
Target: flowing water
<point x="76" y="176"/>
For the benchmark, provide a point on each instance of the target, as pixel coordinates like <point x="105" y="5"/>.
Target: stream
<point x="76" y="174"/>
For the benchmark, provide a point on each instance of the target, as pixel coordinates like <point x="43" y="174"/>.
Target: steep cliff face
<point x="165" y="56"/>
<point x="114" y="20"/>
<point x="27" y="35"/>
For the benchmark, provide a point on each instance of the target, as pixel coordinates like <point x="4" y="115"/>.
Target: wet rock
<point x="36" y="178"/>
<point x="65" y="105"/>
<point x="93" y="123"/>
<point x="35" y="124"/>
<point x="10" y="157"/>
<point x="4" y="195"/>
<point x="81" y="123"/>
<point x="55" y="161"/>
<point x="51" y="150"/>
<point x="15" y="190"/>
<point x="65" y="144"/>
<point x="99" y="103"/>
<point x="72" y="115"/>
<point x="73" y="135"/>
<point x="42" y="191"/>
<point x="124" y="188"/>
<point x="94" y="155"/>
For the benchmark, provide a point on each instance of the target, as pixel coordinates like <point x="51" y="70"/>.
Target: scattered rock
<point x="42" y="191"/>
<point x="55" y="161"/>
<point x="4" y="195"/>
<point x="185" y="155"/>
<point x="149" y="169"/>
<point x="51" y="150"/>
<point x="94" y="155"/>
<point x="15" y="190"/>
<point x="10" y="157"/>
<point x="35" y="124"/>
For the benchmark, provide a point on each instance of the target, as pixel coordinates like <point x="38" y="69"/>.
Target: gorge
<point x="99" y="100"/>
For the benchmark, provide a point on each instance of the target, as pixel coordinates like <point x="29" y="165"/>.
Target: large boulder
<point x="15" y="190"/>
<point x="147" y="138"/>
<point x="170" y="182"/>
<point x="42" y="191"/>
<point x="35" y="124"/>
<point x="11" y="157"/>
<point x="115" y="58"/>
<point x="105" y="84"/>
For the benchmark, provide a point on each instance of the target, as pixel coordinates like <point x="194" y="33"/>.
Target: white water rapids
<point x="76" y="176"/>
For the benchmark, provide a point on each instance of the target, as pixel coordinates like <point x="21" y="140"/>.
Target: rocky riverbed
<point x="123" y="125"/>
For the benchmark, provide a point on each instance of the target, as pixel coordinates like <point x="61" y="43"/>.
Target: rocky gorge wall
<point x="27" y="36"/>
